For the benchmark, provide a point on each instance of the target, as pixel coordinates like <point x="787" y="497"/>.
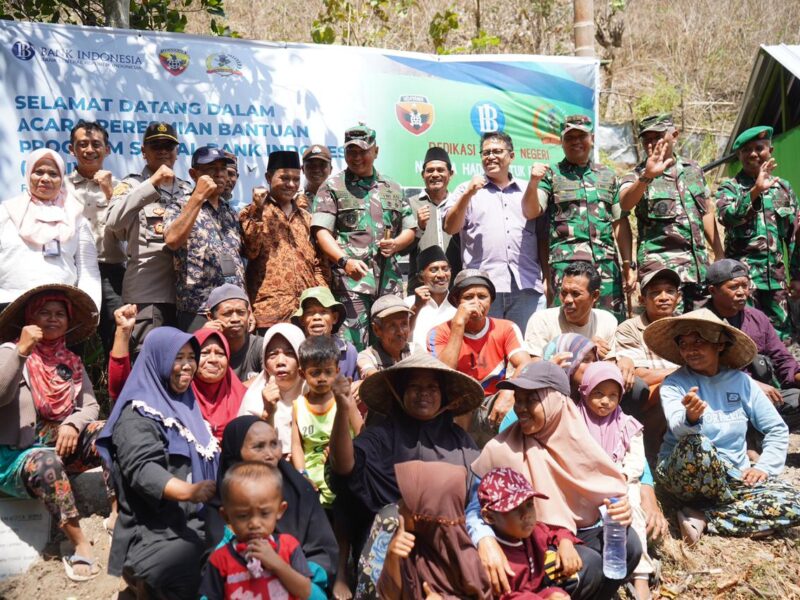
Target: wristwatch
<point x="630" y="263"/>
<point x="644" y="179"/>
<point x="342" y="261"/>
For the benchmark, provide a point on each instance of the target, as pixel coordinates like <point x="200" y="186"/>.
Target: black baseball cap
<point x="725" y="270"/>
<point x="537" y="376"/>
<point x="158" y="131"/>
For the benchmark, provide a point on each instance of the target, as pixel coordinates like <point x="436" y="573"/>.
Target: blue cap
<point x="205" y="155"/>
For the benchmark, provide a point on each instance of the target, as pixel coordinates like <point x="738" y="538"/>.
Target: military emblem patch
<point x="415" y="114"/>
<point x="173" y="60"/>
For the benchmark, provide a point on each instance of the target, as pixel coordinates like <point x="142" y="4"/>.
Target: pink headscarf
<point x="560" y="462"/>
<point x="613" y="432"/>
<point x="39" y="222"/>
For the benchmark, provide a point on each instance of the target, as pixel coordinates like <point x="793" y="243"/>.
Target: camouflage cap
<point x="361" y="136"/>
<point x="762" y="132"/>
<point x="579" y="122"/>
<point x="661" y="122"/>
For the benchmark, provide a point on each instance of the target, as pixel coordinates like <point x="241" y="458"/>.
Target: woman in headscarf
<point x="218" y="390"/>
<point x="164" y="460"/>
<point x="249" y="438"/>
<point x="45" y="237"/>
<point x="48" y="409"/>
<point x="709" y="404"/>
<point x="420" y="395"/>
<point x="442" y="559"/>
<point x="573" y="353"/>
<point x="278" y="385"/>
<point x="551" y="447"/>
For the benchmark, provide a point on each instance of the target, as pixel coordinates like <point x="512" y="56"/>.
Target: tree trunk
<point x="118" y="13"/>
<point x="584" y="27"/>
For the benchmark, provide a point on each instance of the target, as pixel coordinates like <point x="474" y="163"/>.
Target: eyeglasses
<point x="493" y="152"/>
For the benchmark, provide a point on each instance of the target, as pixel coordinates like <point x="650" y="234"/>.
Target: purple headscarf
<point x="613" y="432"/>
<point x="147" y="388"/>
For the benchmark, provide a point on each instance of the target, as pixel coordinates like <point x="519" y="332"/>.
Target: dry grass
<point x="698" y="53"/>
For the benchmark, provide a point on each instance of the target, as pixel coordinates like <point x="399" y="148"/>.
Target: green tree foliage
<point x="154" y="15"/>
<point x="356" y="22"/>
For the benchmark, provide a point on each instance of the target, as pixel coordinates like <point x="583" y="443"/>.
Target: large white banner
<point x="252" y="98"/>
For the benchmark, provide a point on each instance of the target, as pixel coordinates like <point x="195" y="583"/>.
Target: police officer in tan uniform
<point x="137" y="216"/>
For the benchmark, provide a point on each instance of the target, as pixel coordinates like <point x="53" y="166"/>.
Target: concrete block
<point x="24" y="532"/>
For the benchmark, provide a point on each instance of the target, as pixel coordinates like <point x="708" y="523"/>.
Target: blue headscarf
<point x="147" y="389"/>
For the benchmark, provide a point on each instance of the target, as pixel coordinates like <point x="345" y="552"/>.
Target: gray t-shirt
<point x="248" y="361"/>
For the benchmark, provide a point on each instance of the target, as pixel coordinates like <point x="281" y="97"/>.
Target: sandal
<point x="77" y="559"/>
<point x="691" y="527"/>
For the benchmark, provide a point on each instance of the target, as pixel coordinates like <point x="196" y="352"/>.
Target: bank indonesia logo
<point x="486" y="117"/>
<point x="225" y="65"/>
<point x="23" y="50"/>
<point x="175" y="61"/>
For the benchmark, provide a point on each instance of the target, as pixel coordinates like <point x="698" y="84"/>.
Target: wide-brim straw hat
<point x="460" y="392"/>
<point x="82" y="324"/>
<point x="660" y="336"/>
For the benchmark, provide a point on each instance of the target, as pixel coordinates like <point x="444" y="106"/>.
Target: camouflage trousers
<point x="355" y="328"/>
<point x="693" y="297"/>
<point x="612" y="296"/>
<point x="774" y="304"/>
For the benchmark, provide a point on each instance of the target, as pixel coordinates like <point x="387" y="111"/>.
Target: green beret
<point x="762" y="132"/>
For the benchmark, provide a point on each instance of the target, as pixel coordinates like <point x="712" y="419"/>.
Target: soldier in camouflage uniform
<point x="673" y="213"/>
<point x="580" y="201"/>
<point x="360" y="222"/>
<point x="138" y="206"/>
<point x="759" y="214"/>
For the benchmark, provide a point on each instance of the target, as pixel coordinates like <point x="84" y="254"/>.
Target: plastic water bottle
<point x="614" y="541"/>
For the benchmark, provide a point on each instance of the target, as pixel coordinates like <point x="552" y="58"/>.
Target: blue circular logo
<point x="487" y="116"/>
<point x="23" y="50"/>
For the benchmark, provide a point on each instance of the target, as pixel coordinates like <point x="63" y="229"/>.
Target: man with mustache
<point x="496" y="237"/>
<point x="759" y="214"/>
<point x="436" y="173"/>
<point x="136" y="215"/>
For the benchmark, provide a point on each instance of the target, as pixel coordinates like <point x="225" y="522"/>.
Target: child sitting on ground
<point x="620" y="435"/>
<point x="256" y="564"/>
<point x="507" y="505"/>
<point x="431" y="554"/>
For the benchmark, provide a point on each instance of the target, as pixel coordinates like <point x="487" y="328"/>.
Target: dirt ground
<point x="717" y="568"/>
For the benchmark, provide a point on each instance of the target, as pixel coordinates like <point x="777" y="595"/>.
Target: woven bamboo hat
<point x="661" y="337"/>
<point x="82" y="324"/>
<point x="460" y="392"/>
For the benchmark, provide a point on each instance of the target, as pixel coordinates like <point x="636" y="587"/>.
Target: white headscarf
<point x="253" y="404"/>
<point x="38" y="221"/>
